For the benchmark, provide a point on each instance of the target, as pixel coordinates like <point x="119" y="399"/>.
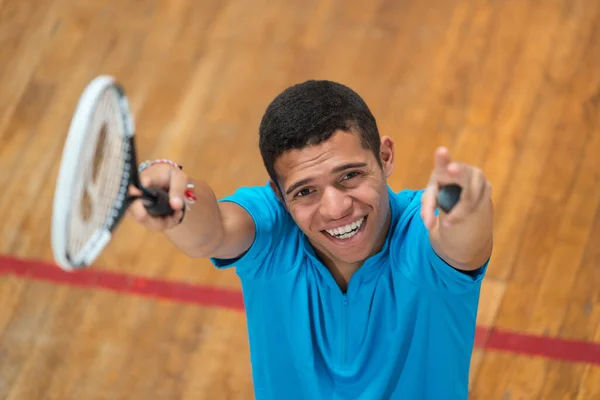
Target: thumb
<point x="177" y="188"/>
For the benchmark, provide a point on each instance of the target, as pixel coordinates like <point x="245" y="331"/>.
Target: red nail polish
<point x="189" y="194"/>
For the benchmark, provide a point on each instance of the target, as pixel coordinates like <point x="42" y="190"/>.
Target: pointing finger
<point x="442" y="158"/>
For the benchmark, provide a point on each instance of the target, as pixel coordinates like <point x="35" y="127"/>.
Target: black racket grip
<point x="159" y="206"/>
<point x="448" y="196"/>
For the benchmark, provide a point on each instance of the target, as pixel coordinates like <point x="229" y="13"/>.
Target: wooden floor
<point x="512" y="86"/>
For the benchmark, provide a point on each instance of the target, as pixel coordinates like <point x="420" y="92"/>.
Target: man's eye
<point x="303" y="192"/>
<point x="350" y="175"/>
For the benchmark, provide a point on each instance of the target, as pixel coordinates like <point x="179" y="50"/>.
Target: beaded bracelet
<point x="146" y="164"/>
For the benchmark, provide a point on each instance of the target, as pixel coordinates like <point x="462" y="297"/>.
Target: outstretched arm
<point x="208" y="229"/>
<point x="463" y="238"/>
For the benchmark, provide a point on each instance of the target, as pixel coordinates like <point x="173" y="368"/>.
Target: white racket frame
<point x="67" y="175"/>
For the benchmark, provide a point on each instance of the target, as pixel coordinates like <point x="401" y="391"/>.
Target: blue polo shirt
<point x="403" y="330"/>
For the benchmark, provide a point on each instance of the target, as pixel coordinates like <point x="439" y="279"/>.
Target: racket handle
<point x="159" y="207"/>
<point x="448" y="196"/>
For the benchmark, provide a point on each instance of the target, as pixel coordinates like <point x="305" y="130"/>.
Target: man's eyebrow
<point x="336" y="170"/>
<point x="298" y="184"/>
<point x="344" y="167"/>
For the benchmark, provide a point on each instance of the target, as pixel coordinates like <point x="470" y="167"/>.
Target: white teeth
<point x="347" y="231"/>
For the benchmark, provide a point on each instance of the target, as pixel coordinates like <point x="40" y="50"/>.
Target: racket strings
<point x="98" y="188"/>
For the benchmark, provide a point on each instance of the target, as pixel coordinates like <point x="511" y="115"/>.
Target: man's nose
<point x="335" y="204"/>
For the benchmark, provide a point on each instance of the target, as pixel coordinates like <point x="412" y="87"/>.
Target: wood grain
<point x="512" y="87"/>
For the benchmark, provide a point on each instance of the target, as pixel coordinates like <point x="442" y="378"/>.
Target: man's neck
<point x="340" y="271"/>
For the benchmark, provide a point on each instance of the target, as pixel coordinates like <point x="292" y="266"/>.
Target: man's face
<point x="337" y="194"/>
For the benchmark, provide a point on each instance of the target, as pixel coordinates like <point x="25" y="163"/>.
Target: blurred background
<point x="511" y="86"/>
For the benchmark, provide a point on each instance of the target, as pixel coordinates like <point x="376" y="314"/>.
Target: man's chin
<point x="348" y="256"/>
<point x="343" y="252"/>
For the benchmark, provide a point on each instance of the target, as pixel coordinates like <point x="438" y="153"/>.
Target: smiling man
<point x="352" y="290"/>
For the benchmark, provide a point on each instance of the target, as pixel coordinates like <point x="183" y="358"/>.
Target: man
<point x="352" y="291"/>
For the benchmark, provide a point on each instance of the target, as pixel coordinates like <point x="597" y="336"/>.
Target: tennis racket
<point x="97" y="168"/>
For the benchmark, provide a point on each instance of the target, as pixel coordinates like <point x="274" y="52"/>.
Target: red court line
<point x="485" y="338"/>
<point x="128" y="284"/>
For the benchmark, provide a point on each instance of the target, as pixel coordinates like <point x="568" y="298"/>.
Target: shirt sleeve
<point x="413" y="253"/>
<point x="270" y="219"/>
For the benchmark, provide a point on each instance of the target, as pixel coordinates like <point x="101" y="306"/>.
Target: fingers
<point x="442" y="158"/>
<point x="138" y="213"/>
<point x="475" y="188"/>
<point x="157" y="175"/>
<point x="429" y="204"/>
<point x="177" y="189"/>
<point x="165" y="177"/>
<point x="440" y="173"/>
<point x="447" y="171"/>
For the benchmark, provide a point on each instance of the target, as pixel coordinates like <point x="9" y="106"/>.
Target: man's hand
<point x="475" y="190"/>
<point x="463" y="237"/>
<point x="208" y="229"/>
<point x="168" y="178"/>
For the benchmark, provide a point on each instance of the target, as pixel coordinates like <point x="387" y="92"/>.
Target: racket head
<point x="97" y="167"/>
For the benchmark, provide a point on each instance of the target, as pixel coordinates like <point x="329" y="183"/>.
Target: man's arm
<point x="211" y="229"/>
<point x="208" y="229"/>
<point x="464" y="237"/>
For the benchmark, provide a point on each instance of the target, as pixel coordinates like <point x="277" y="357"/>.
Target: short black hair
<point x="309" y="113"/>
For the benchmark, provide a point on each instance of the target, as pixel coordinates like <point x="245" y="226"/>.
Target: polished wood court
<point x="511" y="86"/>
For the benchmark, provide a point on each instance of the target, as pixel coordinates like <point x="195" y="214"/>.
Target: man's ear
<point x="386" y="153"/>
